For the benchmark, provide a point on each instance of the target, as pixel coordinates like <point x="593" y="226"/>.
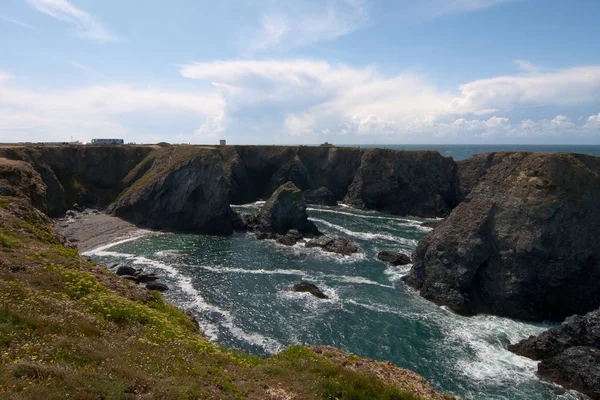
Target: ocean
<point x="464" y="151"/>
<point x="239" y="289"/>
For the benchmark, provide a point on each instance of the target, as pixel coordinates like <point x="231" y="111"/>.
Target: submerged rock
<point x="144" y="277"/>
<point x="287" y="240"/>
<point x="321" y="196"/>
<point x="310" y="288"/>
<point x="524" y="244"/>
<point x="334" y="244"/>
<point x="393" y="257"/>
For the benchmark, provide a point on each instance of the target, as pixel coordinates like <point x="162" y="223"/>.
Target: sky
<point x="301" y="72"/>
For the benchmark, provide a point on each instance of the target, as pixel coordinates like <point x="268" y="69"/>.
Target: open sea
<point x="463" y="151"/>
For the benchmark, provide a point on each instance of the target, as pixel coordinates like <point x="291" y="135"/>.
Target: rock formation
<point x="184" y="189"/>
<point x="285" y="210"/>
<point x="310" y="288"/>
<point x="405" y="183"/>
<point x="334" y="244"/>
<point x="321" y="196"/>
<point x="569" y="353"/>
<point x="523" y="244"/>
<point x="393" y="258"/>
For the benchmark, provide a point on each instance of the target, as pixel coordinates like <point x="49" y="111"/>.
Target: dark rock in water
<point x="113" y="266"/>
<point x="310" y="288"/>
<point x="394" y="258"/>
<point x="321" y="196"/>
<point x="576" y="368"/>
<point x="125" y="270"/>
<point x="87" y="258"/>
<point x="334" y="244"/>
<point x="129" y="278"/>
<point x="524" y="244"/>
<point x="431" y="224"/>
<point x="161" y="287"/>
<point x="287" y="240"/>
<point x="265" y="235"/>
<point x="577" y="330"/>
<point x="144" y="277"/>
<point x="295" y="234"/>
<point x="286" y="210"/>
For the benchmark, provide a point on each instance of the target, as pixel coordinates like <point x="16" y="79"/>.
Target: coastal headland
<point x="519" y="239"/>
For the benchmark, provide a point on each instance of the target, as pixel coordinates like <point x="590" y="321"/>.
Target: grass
<point x="4" y="202"/>
<point x="70" y="329"/>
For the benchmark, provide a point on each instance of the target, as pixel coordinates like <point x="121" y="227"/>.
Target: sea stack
<point x="523" y="244"/>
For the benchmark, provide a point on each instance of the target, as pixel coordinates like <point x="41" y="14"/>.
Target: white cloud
<point x="86" y="25"/>
<point x="527" y="66"/>
<point x="285" y="24"/>
<point x="317" y="98"/>
<point x="109" y="110"/>
<point x="20" y="23"/>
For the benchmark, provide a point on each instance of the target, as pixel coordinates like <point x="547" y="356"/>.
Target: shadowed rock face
<point x="400" y="182"/>
<point x="321" y="196"/>
<point x="184" y="189"/>
<point x="569" y="353"/>
<point x="523" y="244"/>
<point x="285" y="210"/>
<point x="406" y="183"/>
<point x="19" y="179"/>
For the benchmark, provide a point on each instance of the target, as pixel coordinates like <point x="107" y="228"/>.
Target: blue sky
<point x="289" y="72"/>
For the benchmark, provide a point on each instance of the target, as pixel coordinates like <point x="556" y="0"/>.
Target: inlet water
<point x="239" y="288"/>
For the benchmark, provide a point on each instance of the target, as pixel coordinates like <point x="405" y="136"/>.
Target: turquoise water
<point x="239" y="289"/>
<point x="463" y="151"/>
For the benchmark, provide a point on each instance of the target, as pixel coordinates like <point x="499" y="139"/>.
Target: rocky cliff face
<point x="402" y="182"/>
<point x="87" y="175"/>
<point x="569" y="353"/>
<point x="523" y="244"/>
<point x="416" y="183"/>
<point x="183" y="188"/>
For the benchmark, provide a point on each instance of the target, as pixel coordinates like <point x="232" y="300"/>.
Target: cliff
<point x="71" y="329"/>
<point x="524" y="242"/>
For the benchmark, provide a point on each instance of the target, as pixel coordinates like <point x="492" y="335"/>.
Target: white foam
<point x="357" y="280"/>
<point x="367" y="235"/>
<point x="123" y="239"/>
<point x="396" y="273"/>
<point x="167" y="253"/>
<point x="228" y="270"/>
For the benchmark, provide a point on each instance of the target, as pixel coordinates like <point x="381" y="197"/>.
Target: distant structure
<point x="222" y="142"/>
<point x="326" y="144"/>
<point x="108" y="141"/>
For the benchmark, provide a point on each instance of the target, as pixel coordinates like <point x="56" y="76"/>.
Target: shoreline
<point x="91" y="229"/>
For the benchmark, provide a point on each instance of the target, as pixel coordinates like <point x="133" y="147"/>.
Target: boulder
<point x="524" y="243"/>
<point x="577" y="330"/>
<point x="310" y="288"/>
<point x="334" y="244"/>
<point x="576" y="368"/>
<point x="125" y="270"/>
<point x="285" y="210"/>
<point x="144" y="277"/>
<point x="161" y="287"/>
<point x="287" y="240"/>
<point x="321" y="196"/>
<point x="393" y="257"/>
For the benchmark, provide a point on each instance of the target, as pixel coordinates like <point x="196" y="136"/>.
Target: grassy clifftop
<point x="70" y="329"/>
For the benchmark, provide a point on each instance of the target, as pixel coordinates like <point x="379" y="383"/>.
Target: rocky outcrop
<point x="523" y="244"/>
<point x="569" y="353"/>
<point x="471" y="170"/>
<point x="310" y="288"/>
<point x="334" y="244"/>
<point x="184" y="189"/>
<point x="321" y="196"/>
<point x="393" y="258"/>
<point x="406" y="183"/>
<point x="90" y="176"/>
<point x="285" y="210"/>
<point x="19" y="179"/>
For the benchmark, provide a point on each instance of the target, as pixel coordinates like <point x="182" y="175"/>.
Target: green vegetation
<point x="70" y="329"/>
<point x="4" y="202"/>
